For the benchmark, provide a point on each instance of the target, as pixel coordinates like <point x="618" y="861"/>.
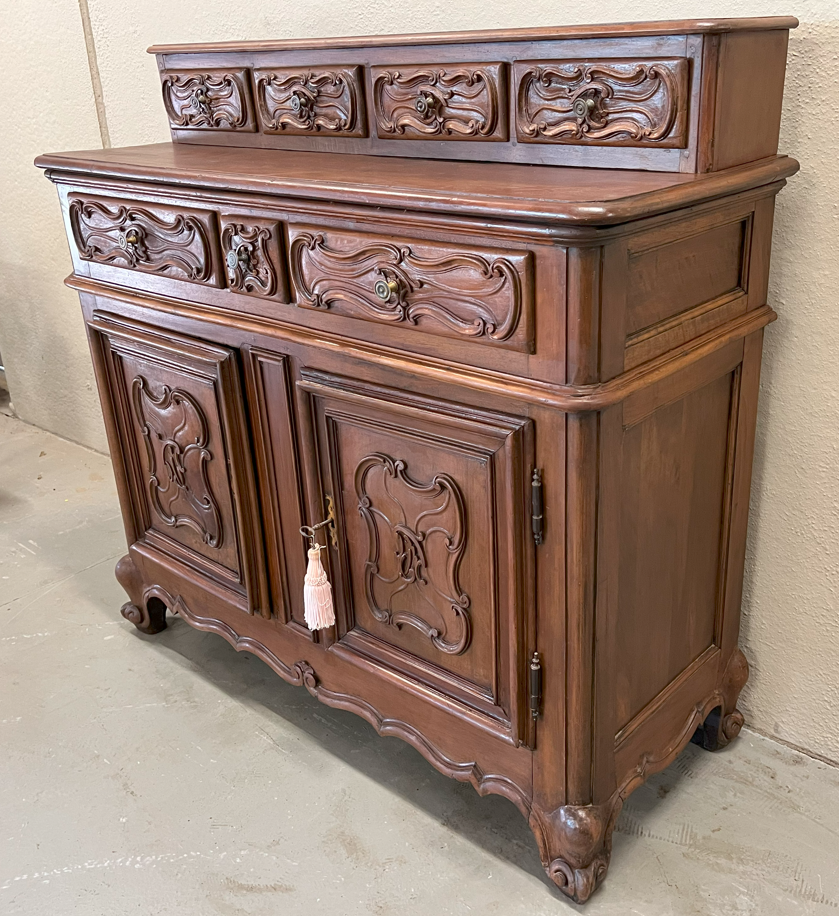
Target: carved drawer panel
<point x="208" y="99"/>
<point x="173" y="242"/>
<point x="448" y="102"/>
<point x="468" y="293"/>
<point x="252" y="252"/>
<point x="178" y="406"/>
<point x="295" y="101"/>
<point x="431" y="550"/>
<point x="604" y="103"/>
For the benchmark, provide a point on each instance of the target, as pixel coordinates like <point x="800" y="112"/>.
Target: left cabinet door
<point x="181" y="451"/>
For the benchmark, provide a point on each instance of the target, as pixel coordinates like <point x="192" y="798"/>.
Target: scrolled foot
<point x="150" y="618"/>
<point x="723" y="723"/>
<point x="146" y="612"/>
<point x="578" y="883"/>
<point x="575" y="842"/>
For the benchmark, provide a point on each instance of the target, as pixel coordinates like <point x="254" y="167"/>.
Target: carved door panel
<point x="183" y="458"/>
<point x="433" y="566"/>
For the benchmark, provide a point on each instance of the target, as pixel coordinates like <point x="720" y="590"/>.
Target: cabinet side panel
<point x="750" y="90"/>
<point x="673" y="485"/>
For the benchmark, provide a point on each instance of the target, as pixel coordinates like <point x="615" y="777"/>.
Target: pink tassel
<point x="317" y="594"/>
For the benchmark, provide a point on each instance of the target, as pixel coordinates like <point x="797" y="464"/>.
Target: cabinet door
<point x="433" y="566"/>
<point x="182" y="453"/>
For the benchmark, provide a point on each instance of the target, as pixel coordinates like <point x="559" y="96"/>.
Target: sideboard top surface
<point x="550" y="33"/>
<point x="546" y="194"/>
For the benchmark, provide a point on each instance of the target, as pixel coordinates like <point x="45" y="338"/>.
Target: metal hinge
<point x="535" y="685"/>
<point x="536" y="510"/>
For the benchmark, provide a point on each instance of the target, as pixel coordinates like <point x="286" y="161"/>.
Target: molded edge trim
<point x="549" y="33"/>
<point x="704" y="187"/>
<point x="568" y="398"/>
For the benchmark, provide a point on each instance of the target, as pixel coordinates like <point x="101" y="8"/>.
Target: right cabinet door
<point x="433" y="561"/>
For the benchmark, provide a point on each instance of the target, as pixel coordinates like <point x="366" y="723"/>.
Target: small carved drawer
<point x="448" y="102"/>
<point x="175" y="242"/>
<point x="603" y="102"/>
<point x="208" y="99"/>
<point x="296" y="101"/>
<point x="468" y="293"/>
<point x="253" y="263"/>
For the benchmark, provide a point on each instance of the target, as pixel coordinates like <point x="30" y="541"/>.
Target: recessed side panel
<point x="674" y="489"/>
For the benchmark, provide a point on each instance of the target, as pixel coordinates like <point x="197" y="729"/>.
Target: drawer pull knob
<point x="384" y="289"/>
<point x="426" y="106"/>
<point x="300" y="103"/>
<point x="584" y="107"/>
<point x="128" y="239"/>
<point x="201" y="101"/>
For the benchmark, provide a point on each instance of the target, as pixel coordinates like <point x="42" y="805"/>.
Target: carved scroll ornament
<point x="463" y="102"/>
<point x="216" y="100"/>
<point x="417" y="537"/>
<point x="310" y="101"/>
<point x="463" y="294"/>
<point x="247" y="257"/>
<point x="609" y="102"/>
<point x="174" y="244"/>
<point x="176" y="437"/>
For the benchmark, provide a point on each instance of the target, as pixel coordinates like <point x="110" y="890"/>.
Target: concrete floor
<point x="169" y="775"/>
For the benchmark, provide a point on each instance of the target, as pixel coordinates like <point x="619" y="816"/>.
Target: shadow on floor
<point x="493" y="823"/>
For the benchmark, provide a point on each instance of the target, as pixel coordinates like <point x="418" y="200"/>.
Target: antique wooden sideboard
<point x="491" y="306"/>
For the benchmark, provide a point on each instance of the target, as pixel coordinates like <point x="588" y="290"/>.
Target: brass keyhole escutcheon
<point x="384" y="289"/>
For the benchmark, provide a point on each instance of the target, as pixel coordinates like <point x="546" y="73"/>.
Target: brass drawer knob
<point x="128" y="238"/>
<point x="583" y="107"/>
<point x="300" y="102"/>
<point x="426" y="105"/>
<point x="384" y="289"/>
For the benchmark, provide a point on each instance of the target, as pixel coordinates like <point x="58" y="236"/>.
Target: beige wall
<point x="791" y="602"/>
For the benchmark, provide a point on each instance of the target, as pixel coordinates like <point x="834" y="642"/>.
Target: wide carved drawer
<point x="208" y="99"/>
<point x="303" y="101"/>
<point x="602" y="102"/>
<point x="175" y="242"/>
<point x="440" y="102"/>
<point x="479" y="294"/>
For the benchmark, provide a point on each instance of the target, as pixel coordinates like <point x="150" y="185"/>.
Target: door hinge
<point x="536" y="511"/>
<point x="535" y="685"/>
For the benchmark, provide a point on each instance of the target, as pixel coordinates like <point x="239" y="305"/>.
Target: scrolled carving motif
<point x="174" y="244"/>
<point x="248" y="262"/>
<point x="176" y="436"/>
<point x="465" y="294"/>
<point x="417" y="537"/>
<point x="310" y="101"/>
<point x="611" y="102"/>
<point x="461" y="103"/>
<point x="215" y="99"/>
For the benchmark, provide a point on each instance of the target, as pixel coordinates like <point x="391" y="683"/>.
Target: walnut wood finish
<point x="408" y="344"/>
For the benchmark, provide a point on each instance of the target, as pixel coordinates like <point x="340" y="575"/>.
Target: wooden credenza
<point x="493" y="305"/>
